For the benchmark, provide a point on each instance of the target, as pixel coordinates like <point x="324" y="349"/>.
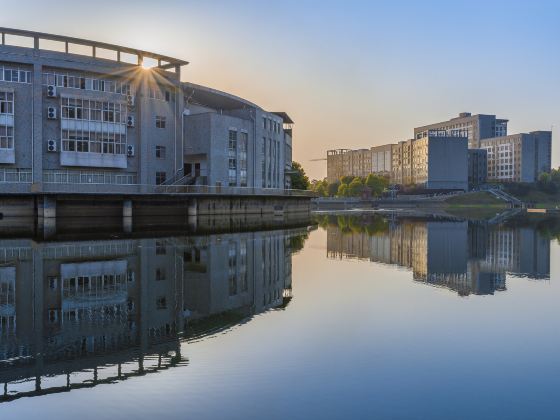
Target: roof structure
<point x="164" y="62"/>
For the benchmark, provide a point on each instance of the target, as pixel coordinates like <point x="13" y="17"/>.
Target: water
<point x="359" y="317"/>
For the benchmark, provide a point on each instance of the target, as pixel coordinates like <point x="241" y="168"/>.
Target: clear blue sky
<point x="351" y="74"/>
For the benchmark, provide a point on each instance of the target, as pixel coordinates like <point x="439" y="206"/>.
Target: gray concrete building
<point x="518" y="157"/>
<point x="437" y="161"/>
<point x="478" y="169"/>
<point x="477" y="127"/>
<point x="104" y="122"/>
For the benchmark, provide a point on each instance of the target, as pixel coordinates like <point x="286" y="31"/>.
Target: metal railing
<point x="87" y="177"/>
<point x="213" y="190"/>
<point x="17" y="176"/>
<point x="60" y="181"/>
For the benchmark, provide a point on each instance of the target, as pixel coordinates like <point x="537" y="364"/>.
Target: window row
<point x="159" y="94"/>
<point x="18" y="76"/>
<point x="84" y="109"/>
<point x="6" y="103"/>
<point x="86" y="83"/>
<point x="271" y="125"/>
<point x="93" y="142"/>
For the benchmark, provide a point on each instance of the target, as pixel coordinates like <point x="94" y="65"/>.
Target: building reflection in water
<point x="463" y="256"/>
<point x="77" y="314"/>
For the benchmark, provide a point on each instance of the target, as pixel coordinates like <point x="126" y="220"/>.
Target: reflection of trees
<point x="370" y="224"/>
<point x="297" y="242"/>
<point x="548" y="226"/>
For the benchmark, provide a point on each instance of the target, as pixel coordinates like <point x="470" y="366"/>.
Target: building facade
<point x="105" y="123"/>
<point x="477" y="127"/>
<point x="359" y="163"/>
<point x="382" y="159"/>
<point x="478" y="167"/>
<point x="437" y="161"/>
<point x="518" y="157"/>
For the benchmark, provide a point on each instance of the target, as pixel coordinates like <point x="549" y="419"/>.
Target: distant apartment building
<point x="427" y="159"/>
<point x="477" y="127"/>
<point x="478" y="169"/>
<point x="436" y="161"/>
<point x="518" y="157"/>
<point x="382" y="159"/>
<point x="346" y="162"/>
<point x="337" y="164"/>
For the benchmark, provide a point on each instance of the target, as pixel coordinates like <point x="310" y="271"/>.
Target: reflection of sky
<point x="357" y="339"/>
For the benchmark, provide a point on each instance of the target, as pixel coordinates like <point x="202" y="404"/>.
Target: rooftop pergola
<point x="163" y="62"/>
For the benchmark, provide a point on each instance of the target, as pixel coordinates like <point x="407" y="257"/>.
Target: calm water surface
<point x="357" y="318"/>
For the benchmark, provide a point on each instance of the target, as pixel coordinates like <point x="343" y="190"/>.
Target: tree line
<point x="347" y="186"/>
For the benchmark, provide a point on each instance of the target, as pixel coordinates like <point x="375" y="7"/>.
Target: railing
<point x="18" y="176"/>
<point x="212" y="190"/>
<point x="59" y="181"/>
<point x="86" y="177"/>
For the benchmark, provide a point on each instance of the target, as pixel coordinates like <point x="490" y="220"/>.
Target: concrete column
<point x="46" y="216"/>
<point x="192" y="207"/>
<point x="39" y="312"/>
<point x="37" y="134"/>
<point x="127" y="216"/>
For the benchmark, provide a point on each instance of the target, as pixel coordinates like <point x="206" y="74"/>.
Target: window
<point x="263" y="162"/>
<point x="6" y="103"/>
<point x="232" y="144"/>
<point x="161" y="302"/>
<point x="160" y="122"/>
<point x="244" y="138"/>
<point x="160" y="274"/>
<point x="167" y="96"/>
<point x="160" y="178"/>
<point x="232" y="173"/>
<point x="84" y="83"/>
<point x="15" y="75"/>
<point x="160" y="248"/>
<point x="160" y="152"/>
<point x="264" y="123"/>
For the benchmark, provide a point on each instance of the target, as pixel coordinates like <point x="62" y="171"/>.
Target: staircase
<point x="180" y="179"/>
<point x="502" y="195"/>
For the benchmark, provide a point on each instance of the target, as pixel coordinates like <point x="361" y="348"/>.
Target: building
<point x="104" y="122"/>
<point x="478" y="170"/>
<point x="360" y="162"/>
<point x="337" y="164"/>
<point x="518" y="157"/>
<point x="382" y="159"/>
<point x="436" y="161"/>
<point x="477" y="127"/>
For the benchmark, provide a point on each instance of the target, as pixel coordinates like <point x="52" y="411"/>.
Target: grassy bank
<point x="476" y="199"/>
<point x="476" y="205"/>
<point x="540" y="199"/>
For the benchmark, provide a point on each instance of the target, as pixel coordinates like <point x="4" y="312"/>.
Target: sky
<point x="351" y="74"/>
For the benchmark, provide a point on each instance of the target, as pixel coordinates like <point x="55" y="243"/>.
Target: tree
<point x="332" y="188"/>
<point x="342" y="190"/>
<point x="300" y="181"/>
<point x="346" y="179"/>
<point x="355" y="188"/>
<point x="321" y="189"/>
<point x="377" y="184"/>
